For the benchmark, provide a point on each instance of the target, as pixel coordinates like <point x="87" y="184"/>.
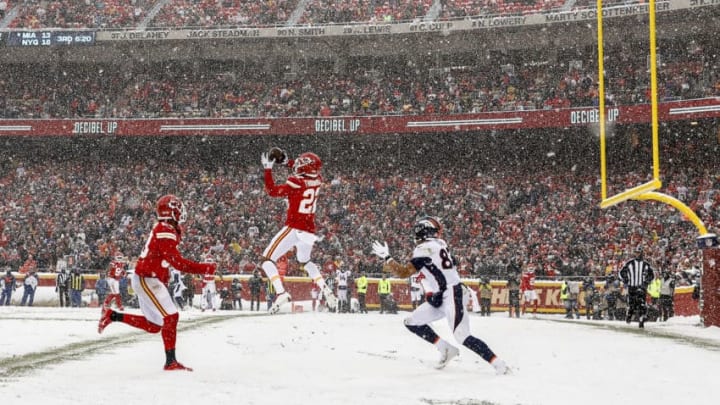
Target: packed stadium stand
<point x="93" y="198"/>
<point x="347" y="11"/>
<point x="468" y="8"/>
<point x="33" y="14"/>
<point x="510" y="192"/>
<point x="211" y="13"/>
<point x="223" y="90"/>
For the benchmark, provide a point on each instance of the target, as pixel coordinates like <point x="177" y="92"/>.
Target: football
<point x="277" y="155"/>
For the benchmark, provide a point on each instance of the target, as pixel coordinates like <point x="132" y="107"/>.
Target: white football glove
<point x="381" y="250"/>
<point x="266" y="161"/>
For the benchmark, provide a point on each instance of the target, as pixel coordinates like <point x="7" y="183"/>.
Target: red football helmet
<point x="171" y="207"/>
<point x="308" y="164"/>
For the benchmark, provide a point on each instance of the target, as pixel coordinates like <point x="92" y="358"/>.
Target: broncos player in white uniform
<point x="433" y="264"/>
<point x="342" y="277"/>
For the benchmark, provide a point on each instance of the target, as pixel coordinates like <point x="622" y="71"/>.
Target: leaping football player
<point x="302" y="189"/>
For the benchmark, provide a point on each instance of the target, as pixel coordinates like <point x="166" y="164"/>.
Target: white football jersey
<point x="435" y="265"/>
<point x="342" y="277"/>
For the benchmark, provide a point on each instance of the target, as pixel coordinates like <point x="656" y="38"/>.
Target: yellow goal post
<point x="645" y="191"/>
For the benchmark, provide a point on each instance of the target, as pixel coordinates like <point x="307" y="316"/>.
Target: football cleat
<point x="330" y="298"/>
<point x="500" y="367"/>
<point x="281" y="299"/>
<point x="447" y="353"/>
<point x="104" y="319"/>
<point x="176" y="366"/>
<point x="642" y="322"/>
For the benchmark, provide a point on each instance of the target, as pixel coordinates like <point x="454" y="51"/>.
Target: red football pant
<point x="110" y="298"/>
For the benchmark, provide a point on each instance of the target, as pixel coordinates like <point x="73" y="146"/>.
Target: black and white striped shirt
<point x="636" y="273"/>
<point x="62" y="280"/>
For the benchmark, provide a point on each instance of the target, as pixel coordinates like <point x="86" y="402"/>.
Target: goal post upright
<point x="601" y="102"/>
<point x="655" y="183"/>
<point x="708" y="242"/>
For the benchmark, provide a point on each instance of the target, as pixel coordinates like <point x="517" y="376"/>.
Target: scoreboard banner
<point x="398" y="124"/>
<point x="49" y="38"/>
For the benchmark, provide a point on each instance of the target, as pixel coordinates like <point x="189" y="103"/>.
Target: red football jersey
<point x="302" y="193"/>
<point x="161" y="252"/>
<point x="527" y="282"/>
<point x="117" y="270"/>
<point x="208" y="278"/>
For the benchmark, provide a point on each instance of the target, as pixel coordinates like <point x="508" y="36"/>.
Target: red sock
<point x="140" y="322"/>
<point x="169" y="330"/>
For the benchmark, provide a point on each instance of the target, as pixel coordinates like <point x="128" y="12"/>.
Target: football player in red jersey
<point x="301" y="190"/>
<point x="116" y="272"/>
<point x="527" y="288"/>
<point x="151" y="277"/>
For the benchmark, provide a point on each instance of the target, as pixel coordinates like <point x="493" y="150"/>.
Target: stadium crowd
<point x="212" y="13"/>
<point x="226" y="90"/>
<point x="380" y="11"/>
<point x="100" y="14"/>
<point x="506" y="201"/>
<point x="469" y="8"/>
<point x="520" y="199"/>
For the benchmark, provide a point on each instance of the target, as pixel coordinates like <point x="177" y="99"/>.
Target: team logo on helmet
<point x="427" y="227"/>
<point x="308" y="164"/>
<point x="171" y="207"/>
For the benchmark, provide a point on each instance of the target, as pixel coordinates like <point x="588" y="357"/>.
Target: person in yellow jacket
<point x="653" y="291"/>
<point x="270" y="293"/>
<point x="384" y="290"/>
<point x="361" y="285"/>
<point x="569" y="292"/>
<point x="485" y="296"/>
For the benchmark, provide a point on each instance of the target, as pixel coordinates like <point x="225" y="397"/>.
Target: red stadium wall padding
<point x="710" y="312"/>
<point x="548" y="292"/>
<point x="557" y="118"/>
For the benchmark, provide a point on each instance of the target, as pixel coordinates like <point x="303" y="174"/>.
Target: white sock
<point x="314" y="274"/>
<point x="272" y="273"/>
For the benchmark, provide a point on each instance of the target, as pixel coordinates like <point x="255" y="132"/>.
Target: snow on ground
<point x="55" y="356"/>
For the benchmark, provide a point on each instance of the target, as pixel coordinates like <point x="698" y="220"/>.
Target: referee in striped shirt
<point x="637" y="274"/>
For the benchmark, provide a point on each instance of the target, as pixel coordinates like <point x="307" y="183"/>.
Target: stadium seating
<point x="92" y="198"/>
<point x="80" y="14"/>
<point x="212" y="13"/>
<point x="222" y="90"/>
<point x="469" y="8"/>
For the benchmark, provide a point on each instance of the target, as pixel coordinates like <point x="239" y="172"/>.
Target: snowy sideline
<point x="55" y="356"/>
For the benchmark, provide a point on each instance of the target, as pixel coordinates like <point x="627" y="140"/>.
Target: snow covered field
<point x="56" y="356"/>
